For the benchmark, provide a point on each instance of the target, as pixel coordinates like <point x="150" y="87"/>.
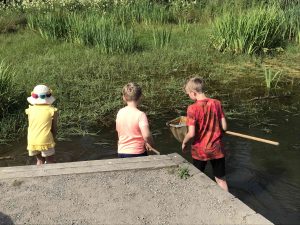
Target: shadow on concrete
<point x="5" y="219"/>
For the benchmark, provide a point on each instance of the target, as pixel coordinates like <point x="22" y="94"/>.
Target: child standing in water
<point x="42" y="125"/>
<point x="132" y="125"/>
<point x="205" y="121"/>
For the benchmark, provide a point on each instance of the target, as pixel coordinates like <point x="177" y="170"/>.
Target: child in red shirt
<point x="205" y="121"/>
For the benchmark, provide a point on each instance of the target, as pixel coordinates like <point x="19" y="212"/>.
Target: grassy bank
<point x="164" y="50"/>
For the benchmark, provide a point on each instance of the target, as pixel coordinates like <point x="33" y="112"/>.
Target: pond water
<point x="263" y="176"/>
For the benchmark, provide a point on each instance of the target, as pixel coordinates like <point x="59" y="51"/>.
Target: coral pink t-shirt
<point x="128" y="125"/>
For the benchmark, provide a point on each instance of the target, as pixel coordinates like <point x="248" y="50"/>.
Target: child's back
<point x="42" y="123"/>
<point x="40" y="136"/>
<point x="206" y="114"/>
<point x="128" y="123"/>
<point x="132" y="124"/>
<point x="205" y="121"/>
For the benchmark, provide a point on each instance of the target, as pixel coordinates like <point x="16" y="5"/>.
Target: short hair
<point x="195" y="84"/>
<point x="132" y="92"/>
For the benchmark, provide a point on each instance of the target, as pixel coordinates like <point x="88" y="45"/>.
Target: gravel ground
<point x="156" y="196"/>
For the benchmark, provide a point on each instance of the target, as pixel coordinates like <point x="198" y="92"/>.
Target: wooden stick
<point x="5" y="157"/>
<point x="252" y="138"/>
<point x="152" y="149"/>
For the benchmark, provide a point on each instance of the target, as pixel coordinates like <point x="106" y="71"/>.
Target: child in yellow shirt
<point x="42" y="125"/>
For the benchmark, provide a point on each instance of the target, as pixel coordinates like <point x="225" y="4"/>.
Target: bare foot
<point x="39" y="162"/>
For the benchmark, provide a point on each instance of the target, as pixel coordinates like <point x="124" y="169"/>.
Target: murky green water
<point x="263" y="176"/>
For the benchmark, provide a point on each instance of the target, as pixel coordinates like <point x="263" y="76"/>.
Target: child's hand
<point x="148" y="147"/>
<point x="184" y="147"/>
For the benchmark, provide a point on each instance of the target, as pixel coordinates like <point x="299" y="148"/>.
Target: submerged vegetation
<point x="87" y="50"/>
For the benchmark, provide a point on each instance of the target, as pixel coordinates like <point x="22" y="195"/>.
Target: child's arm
<point x="54" y="124"/>
<point x="190" y="134"/>
<point x="224" y="124"/>
<point x="147" y="136"/>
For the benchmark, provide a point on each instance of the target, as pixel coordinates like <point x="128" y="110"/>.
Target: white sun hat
<point x="41" y="94"/>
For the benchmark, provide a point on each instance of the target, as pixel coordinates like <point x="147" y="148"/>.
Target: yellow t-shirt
<point x="39" y="136"/>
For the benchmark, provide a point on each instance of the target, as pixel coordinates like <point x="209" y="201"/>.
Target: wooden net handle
<point x="152" y="149"/>
<point x="252" y="138"/>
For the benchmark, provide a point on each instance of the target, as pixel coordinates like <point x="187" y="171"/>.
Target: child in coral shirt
<point x="132" y="125"/>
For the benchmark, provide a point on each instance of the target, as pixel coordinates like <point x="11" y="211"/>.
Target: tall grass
<point x="11" y="103"/>
<point x="11" y="126"/>
<point x="146" y="12"/>
<point x="10" y="21"/>
<point x="162" y="36"/>
<point x="7" y="90"/>
<point x="254" y="31"/>
<point x="292" y="23"/>
<point x="87" y="28"/>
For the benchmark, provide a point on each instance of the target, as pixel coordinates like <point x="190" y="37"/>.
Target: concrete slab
<point x="150" y="162"/>
<point x="145" y="190"/>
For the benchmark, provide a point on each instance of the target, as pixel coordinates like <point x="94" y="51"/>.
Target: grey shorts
<point x="45" y="153"/>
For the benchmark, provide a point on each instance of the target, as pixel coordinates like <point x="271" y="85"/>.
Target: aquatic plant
<point x="271" y="78"/>
<point x="89" y="28"/>
<point x="292" y="23"/>
<point x="161" y="36"/>
<point x="250" y="32"/>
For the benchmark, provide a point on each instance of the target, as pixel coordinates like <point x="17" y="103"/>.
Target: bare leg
<point x="222" y="183"/>
<point x="40" y="160"/>
<point x="50" y="159"/>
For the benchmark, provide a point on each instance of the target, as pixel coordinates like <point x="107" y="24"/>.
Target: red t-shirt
<point x="206" y="116"/>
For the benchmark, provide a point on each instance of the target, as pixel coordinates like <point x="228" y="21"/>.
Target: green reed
<point x="250" y="32"/>
<point x="271" y="78"/>
<point x="292" y="23"/>
<point x="146" y="12"/>
<point x="162" y="36"/>
<point x="86" y="28"/>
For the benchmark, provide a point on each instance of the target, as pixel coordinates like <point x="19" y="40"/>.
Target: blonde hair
<point x="194" y="84"/>
<point x="132" y="92"/>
